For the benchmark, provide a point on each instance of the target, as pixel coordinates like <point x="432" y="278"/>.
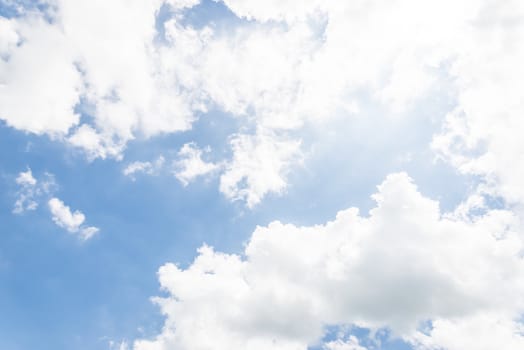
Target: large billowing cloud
<point x="135" y="74"/>
<point x="404" y="264"/>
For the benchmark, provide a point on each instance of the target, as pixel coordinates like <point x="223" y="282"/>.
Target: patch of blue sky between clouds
<point x="15" y="8"/>
<point x="211" y="129"/>
<point x="208" y="13"/>
<point x="211" y="13"/>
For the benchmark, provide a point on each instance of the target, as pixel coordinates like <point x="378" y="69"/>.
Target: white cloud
<point x="260" y="165"/>
<point x="479" y="332"/>
<point x="31" y="190"/>
<point x="482" y="135"/>
<point x="8" y="36"/>
<point x="71" y="221"/>
<point x="150" y="168"/>
<point x="296" y="63"/>
<point x="399" y="267"/>
<point x="138" y="167"/>
<point x="351" y="343"/>
<point x="25" y="178"/>
<point x="94" y="144"/>
<point x="110" y="62"/>
<point x="133" y="84"/>
<point x="190" y="164"/>
<point x="39" y="85"/>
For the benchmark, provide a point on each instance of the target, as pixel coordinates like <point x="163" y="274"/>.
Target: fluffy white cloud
<point x="260" y="164"/>
<point x="482" y="135"/>
<point x="102" y="52"/>
<point x="39" y="84"/>
<point x="71" y="221"/>
<point x="480" y="332"/>
<point x="117" y="54"/>
<point x="400" y="266"/>
<point x="294" y="63"/>
<point x="95" y="144"/>
<point x="133" y="83"/>
<point x="190" y="164"/>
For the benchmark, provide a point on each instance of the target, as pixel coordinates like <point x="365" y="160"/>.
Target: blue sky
<point x="135" y="137"/>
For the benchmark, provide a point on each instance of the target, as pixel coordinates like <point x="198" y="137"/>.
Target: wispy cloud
<point x="31" y="190"/>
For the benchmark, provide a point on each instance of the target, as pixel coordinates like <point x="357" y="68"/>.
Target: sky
<point x="261" y="175"/>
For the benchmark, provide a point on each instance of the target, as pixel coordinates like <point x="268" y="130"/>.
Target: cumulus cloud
<point x="31" y="190"/>
<point x="39" y="82"/>
<point x="95" y="144"/>
<point x="71" y="221"/>
<point x="482" y="332"/>
<point x="190" y="164"/>
<point x="131" y="80"/>
<point x="398" y="267"/>
<point x="260" y="164"/>
<point x="481" y="135"/>
<point x="109" y="63"/>
<point x="293" y="64"/>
